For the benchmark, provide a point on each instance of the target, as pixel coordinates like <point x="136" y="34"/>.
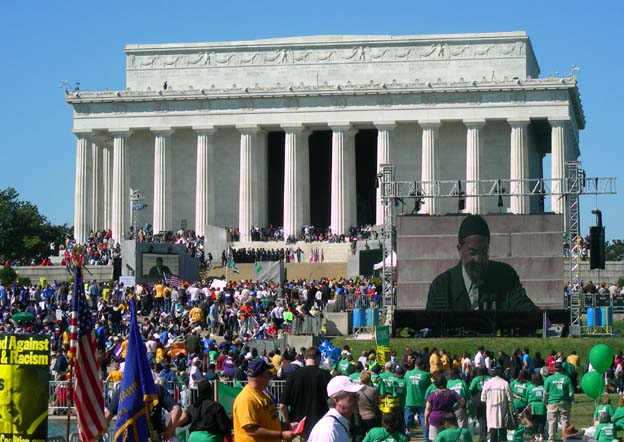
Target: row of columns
<point x="102" y="172"/>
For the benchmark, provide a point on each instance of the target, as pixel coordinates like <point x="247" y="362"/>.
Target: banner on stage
<point x="24" y="380"/>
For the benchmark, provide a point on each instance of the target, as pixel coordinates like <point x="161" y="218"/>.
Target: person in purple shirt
<point x="439" y="403"/>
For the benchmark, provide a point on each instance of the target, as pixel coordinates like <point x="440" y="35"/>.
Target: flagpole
<point x="70" y="397"/>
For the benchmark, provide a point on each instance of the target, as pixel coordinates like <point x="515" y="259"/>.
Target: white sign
<point x="127" y="281"/>
<point x="218" y="284"/>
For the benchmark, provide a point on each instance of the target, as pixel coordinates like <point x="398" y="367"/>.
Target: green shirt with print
<point x="416" y="383"/>
<point x="558" y="388"/>
<point x="454" y="435"/>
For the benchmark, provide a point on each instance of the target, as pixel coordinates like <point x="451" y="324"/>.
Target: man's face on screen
<point x="474" y="256"/>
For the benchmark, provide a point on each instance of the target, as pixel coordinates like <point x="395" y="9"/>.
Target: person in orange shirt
<point x="435" y="362"/>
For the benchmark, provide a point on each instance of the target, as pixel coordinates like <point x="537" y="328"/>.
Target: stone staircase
<point x="332" y="252"/>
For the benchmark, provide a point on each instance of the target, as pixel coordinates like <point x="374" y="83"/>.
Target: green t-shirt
<point x="345" y="367"/>
<point x="454" y="435"/>
<point x="379" y="434"/>
<point x="430" y="389"/>
<point x="535" y="397"/>
<point x="355" y="377"/>
<point x="399" y="387"/>
<point x="602" y="409"/>
<point x="558" y="388"/>
<point x="385" y="383"/>
<point x="416" y="383"/>
<point x="477" y="384"/>
<point x="460" y="387"/>
<point x="605" y="432"/>
<point x="213" y="355"/>
<point x="618" y="417"/>
<point x="519" y="389"/>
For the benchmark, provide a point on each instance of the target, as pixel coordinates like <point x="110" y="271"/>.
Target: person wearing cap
<point x="476" y="283"/>
<point x="255" y="416"/>
<point x="334" y="426"/>
<point x="304" y="393"/>
<point x="558" y="395"/>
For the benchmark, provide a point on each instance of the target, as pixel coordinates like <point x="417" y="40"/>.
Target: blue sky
<point x="44" y="42"/>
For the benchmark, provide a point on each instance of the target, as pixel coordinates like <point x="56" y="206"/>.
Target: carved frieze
<point x="336" y="55"/>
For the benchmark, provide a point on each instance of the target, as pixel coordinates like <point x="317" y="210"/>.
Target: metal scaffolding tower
<point x="571" y="188"/>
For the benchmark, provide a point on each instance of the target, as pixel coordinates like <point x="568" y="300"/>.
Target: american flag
<point x="173" y="280"/>
<point x="88" y="395"/>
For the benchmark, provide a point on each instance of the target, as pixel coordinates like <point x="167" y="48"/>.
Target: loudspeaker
<point x="116" y="269"/>
<point x="596" y="247"/>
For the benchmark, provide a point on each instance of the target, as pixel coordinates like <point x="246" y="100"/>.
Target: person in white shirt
<point x="479" y="359"/>
<point x="343" y="398"/>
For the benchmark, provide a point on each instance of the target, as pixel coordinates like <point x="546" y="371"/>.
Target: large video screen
<point x="519" y="268"/>
<point x="156" y="265"/>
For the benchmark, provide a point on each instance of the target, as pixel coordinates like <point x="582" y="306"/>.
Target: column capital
<point x="294" y="128"/>
<point x="82" y="134"/>
<point x="204" y="130"/>
<point x="163" y="131"/>
<point x="343" y="127"/>
<point x="558" y="121"/>
<point x="474" y="123"/>
<point x="430" y="124"/>
<point x="385" y="125"/>
<point x="249" y="129"/>
<point x="120" y="133"/>
<point x="518" y="122"/>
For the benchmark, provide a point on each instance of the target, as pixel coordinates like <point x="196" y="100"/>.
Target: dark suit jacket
<point x="502" y="285"/>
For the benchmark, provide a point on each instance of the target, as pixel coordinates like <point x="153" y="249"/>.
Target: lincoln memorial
<point x="291" y="131"/>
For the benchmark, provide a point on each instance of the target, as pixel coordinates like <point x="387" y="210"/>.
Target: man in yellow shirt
<point x="196" y="314"/>
<point x="159" y="297"/>
<point x="255" y="416"/>
<point x="115" y="375"/>
<point x="435" y="362"/>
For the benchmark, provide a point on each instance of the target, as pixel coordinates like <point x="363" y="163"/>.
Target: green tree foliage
<point x="26" y="234"/>
<point x="7" y="275"/>
<point x="614" y="250"/>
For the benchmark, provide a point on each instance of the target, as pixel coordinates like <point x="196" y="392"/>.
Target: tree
<point x="26" y="234"/>
<point x="614" y="250"/>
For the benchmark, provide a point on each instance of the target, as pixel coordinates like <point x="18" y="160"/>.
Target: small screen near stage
<point x="523" y="266"/>
<point x="156" y="265"/>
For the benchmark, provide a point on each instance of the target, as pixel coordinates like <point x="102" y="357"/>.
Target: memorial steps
<point x="332" y="252"/>
<point x="306" y="270"/>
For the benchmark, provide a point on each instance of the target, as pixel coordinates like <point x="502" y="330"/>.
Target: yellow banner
<point x="24" y="379"/>
<point x="383" y="354"/>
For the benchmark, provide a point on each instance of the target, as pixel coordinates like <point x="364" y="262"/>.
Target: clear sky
<point x="44" y="42"/>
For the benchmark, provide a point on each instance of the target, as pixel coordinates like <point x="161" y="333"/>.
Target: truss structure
<point x="571" y="188"/>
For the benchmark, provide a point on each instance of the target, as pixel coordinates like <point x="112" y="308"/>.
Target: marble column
<point x="384" y="130"/>
<point x="474" y="146"/>
<point x="295" y="151"/>
<point x="343" y="192"/>
<point x="261" y="181"/>
<point x="107" y="187"/>
<point x="96" y="187"/>
<point x="120" y="214"/>
<point x="428" y="174"/>
<point x="204" y="180"/>
<point x="163" y="160"/>
<point x="558" y="146"/>
<point x="519" y="163"/>
<point x="81" y="191"/>
<point x="248" y="186"/>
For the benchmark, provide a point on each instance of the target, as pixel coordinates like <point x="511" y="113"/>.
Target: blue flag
<point x="138" y="394"/>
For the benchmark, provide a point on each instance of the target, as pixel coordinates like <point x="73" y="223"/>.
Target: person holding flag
<point x="138" y="403"/>
<point x="87" y="391"/>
